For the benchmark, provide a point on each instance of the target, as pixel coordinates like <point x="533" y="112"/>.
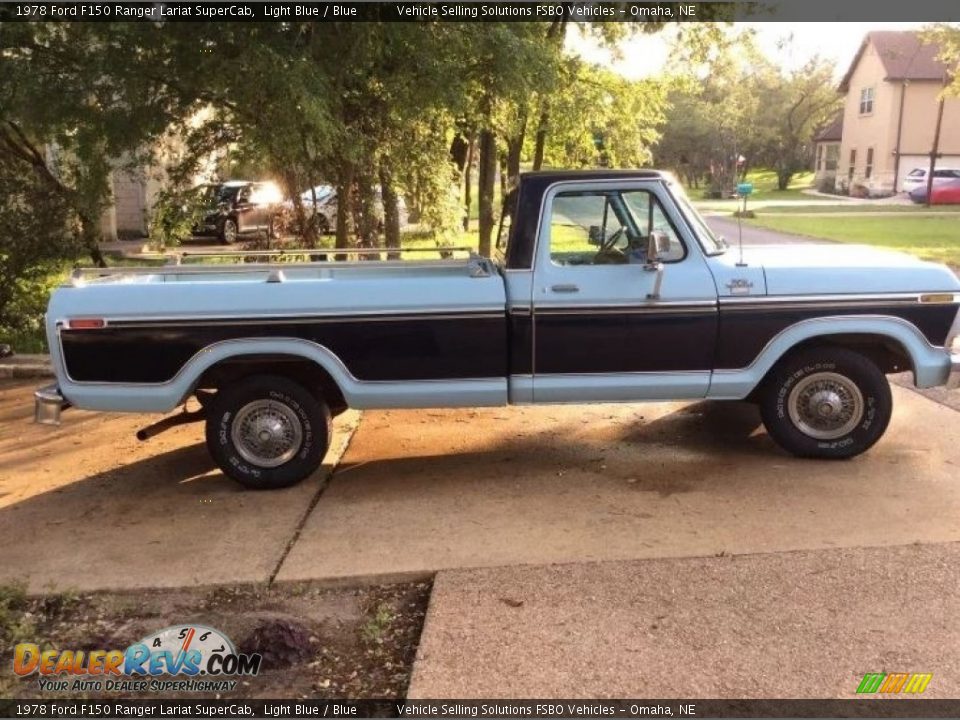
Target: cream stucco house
<point x="893" y="90"/>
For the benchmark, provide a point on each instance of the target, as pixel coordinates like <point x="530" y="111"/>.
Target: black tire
<point x="229" y="231"/>
<point x="284" y="398"/>
<point x="842" y="379"/>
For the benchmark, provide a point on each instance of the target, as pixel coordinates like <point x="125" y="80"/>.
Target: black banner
<point x="904" y="707"/>
<point x="484" y="11"/>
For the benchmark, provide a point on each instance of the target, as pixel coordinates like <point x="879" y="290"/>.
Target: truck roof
<point x="599" y="174"/>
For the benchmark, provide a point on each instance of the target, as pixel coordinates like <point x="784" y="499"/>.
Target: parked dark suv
<point x="239" y="207"/>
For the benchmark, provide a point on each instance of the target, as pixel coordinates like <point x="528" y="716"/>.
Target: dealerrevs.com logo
<point x="181" y="658"/>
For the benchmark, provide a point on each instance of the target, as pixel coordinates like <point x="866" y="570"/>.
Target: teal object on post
<point x="744" y="188"/>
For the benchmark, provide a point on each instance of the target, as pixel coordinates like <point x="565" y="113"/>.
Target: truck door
<point x="605" y="327"/>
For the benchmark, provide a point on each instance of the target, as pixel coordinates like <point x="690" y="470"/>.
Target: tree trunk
<point x="391" y="209"/>
<point x="468" y="184"/>
<point x="488" y="171"/>
<point x="90" y="234"/>
<point x="344" y="208"/>
<point x="503" y="175"/>
<point x="367" y="218"/>
<point x="541" y="138"/>
<point x="459" y="151"/>
<point x="783" y="178"/>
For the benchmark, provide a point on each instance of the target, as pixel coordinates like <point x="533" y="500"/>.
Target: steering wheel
<point x="608" y="254"/>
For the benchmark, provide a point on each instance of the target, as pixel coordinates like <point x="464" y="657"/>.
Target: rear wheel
<point x="826" y="403"/>
<point x="267" y="431"/>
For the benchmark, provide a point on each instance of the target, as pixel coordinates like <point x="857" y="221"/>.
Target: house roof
<point x="904" y="54"/>
<point x="832" y="131"/>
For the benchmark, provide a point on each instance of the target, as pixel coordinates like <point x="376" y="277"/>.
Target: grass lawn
<point x="764" y="192"/>
<point x="857" y="208"/>
<point x="931" y="238"/>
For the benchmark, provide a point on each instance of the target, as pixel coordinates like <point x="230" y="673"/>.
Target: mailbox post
<point x="744" y="190"/>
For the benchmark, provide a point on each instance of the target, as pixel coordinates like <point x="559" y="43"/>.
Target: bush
<point x="38" y="239"/>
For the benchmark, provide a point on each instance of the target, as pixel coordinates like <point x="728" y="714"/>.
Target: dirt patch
<point x="315" y="643"/>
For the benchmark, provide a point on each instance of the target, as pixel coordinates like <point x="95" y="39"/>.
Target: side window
<point x="608" y="228"/>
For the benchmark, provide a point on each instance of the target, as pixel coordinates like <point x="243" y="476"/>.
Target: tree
<point x="796" y="104"/>
<point x="72" y="108"/>
<point x="946" y="37"/>
<point x="745" y="106"/>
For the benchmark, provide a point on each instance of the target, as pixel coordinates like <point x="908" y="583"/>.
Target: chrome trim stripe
<point x="659" y="309"/>
<point x="837" y="299"/>
<point x="130" y="321"/>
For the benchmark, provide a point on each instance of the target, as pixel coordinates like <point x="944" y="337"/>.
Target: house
<point x="893" y="90"/>
<point x="827" y="153"/>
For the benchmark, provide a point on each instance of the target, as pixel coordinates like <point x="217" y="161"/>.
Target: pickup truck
<point x="605" y="286"/>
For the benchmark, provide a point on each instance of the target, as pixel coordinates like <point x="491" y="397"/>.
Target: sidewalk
<point x="803" y="624"/>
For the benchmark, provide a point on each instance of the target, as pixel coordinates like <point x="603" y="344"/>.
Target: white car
<point x="324" y="208"/>
<point x="918" y="177"/>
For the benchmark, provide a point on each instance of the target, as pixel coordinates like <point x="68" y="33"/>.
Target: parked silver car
<point x="917" y="178"/>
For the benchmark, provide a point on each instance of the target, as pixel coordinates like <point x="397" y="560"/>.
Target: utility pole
<point x="936" y="147"/>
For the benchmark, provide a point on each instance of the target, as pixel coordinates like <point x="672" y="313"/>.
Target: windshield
<point x="712" y="244"/>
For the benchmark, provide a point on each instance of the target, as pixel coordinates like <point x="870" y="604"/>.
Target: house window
<point x="866" y="101"/>
<point x="853" y="163"/>
<point x="819" y="158"/>
<point x="868" y="171"/>
<point x="832" y="157"/>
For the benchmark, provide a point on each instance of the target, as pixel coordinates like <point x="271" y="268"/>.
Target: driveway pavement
<point x="88" y="506"/>
<point x="782" y="625"/>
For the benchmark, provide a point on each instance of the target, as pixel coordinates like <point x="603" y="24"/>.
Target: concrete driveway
<point x="87" y="506"/>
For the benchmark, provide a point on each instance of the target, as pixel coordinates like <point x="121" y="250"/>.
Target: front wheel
<point x="267" y="432"/>
<point x="826" y="403"/>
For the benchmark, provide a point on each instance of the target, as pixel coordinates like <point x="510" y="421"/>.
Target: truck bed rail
<point x="275" y="262"/>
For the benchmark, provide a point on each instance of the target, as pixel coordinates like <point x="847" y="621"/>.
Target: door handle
<point x="565" y="288"/>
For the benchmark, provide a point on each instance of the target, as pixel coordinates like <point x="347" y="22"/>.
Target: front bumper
<point x="47" y="405"/>
<point x="953" y="382"/>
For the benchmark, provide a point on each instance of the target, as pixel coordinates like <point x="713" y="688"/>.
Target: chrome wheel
<point x="825" y="406"/>
<point x="229" y="232"/>
<point x="267" y="433"/>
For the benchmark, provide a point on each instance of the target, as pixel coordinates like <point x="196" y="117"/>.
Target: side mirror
<point x="595" y="235"/>
<point x="658" y="245"/>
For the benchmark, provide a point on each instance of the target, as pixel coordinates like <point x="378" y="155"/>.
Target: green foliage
<point x="175" y="212"/>
<point x="745" y="106"/>
<point x="377" y="624"/>
<point x="37" y="229"/>
<point x="15" y="625"/>
<point x="946" y="36"/>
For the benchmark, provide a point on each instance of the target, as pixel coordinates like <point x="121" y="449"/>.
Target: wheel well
<point x="885" y="352"/>
<point x="306" y="372"/>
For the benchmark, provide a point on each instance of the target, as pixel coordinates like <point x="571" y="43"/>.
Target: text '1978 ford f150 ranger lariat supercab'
<point x="605" y="286"/>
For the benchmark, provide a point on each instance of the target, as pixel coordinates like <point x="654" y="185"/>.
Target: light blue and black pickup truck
<point x="605" y="286"/>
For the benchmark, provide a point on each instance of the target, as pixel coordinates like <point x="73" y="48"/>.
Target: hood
<point x="834" y="268"/>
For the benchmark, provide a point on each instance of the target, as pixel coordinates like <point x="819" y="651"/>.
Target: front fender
<point x="931" y="364"/>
